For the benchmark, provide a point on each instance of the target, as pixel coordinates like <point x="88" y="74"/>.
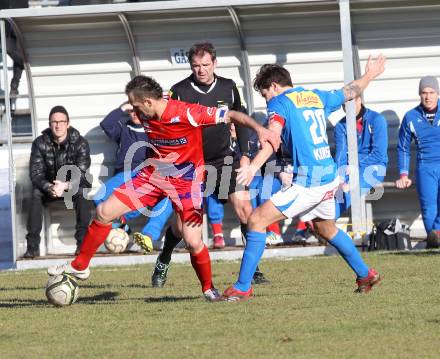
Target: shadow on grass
<point x="167" y="299"/>
<point x="99" y="298"/>
<point x="113" y="285"/>
<point x="105" y="297"/>
<point x="88" y="286"/>
<point x="419" y="253"/>
<point x="140" y="286"/>
<point x="22" y="303"/>
<point x="5" y="289"/>
<point x="94" y="286"/>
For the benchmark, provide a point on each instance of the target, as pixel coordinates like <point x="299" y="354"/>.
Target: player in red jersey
<point x="174" y="169"/>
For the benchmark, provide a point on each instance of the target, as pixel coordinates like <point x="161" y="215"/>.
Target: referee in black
<point x="204" y="87"/>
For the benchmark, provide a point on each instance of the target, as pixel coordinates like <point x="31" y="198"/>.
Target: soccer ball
<point x="117" y="240"/>
<point x="62" y="290"/>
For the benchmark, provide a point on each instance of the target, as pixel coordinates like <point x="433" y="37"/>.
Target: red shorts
<point x="148" y="188"/>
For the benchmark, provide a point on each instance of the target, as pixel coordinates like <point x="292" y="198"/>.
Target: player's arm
<point x="341" y="145"/>
<point x="243" y="133"/>
<point x="372" y="70"/>
<point x="264" y="135"/>
<point x="38" y="169"/>
<point x="404" y="154"/>
<point x="247" y="173"/>
<point x="113" y="122"/>
<point x="379" y="143"/>
<point x="82" y="162"/>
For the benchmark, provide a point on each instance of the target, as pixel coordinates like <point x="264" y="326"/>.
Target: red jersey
<point x="175" y="140"/>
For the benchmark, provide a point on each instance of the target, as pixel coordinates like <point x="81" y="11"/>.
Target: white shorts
<point x="307" y="203"/>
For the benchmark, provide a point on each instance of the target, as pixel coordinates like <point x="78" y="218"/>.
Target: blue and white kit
<point x="303" y="114"/>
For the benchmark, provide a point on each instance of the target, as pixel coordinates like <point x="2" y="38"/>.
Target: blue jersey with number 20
<point x="303" y="114"/>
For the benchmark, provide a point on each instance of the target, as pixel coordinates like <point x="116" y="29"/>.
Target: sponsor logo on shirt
<point x="210" y="110"/>
<point x="175" y="119"/>
<point x="168" y="141"/>
<point x="305" y="99"/>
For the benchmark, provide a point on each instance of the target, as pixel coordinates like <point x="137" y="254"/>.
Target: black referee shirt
<point x="222" y="92"/>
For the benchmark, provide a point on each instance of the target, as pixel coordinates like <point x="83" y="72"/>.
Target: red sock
<point x="95" y="236"/>
<point x="202" y="265"/>
<point x="274" y="227"/>
<point x="301" y="226"/>
<point x="217" y="228"/>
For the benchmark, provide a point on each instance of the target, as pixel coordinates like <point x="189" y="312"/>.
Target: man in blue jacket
<point x="124" y="127"/>
<point x="422" y="124"/>
<point x="372" y="142"/>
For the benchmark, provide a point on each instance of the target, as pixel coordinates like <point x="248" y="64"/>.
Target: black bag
<point x="390" y="235"/>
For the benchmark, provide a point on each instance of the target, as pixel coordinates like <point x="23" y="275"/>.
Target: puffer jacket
<point x="47" y="157"/>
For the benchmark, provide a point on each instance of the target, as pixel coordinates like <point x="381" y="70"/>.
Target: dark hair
<point x="142" y="87"/>
<point x="200" y="48"/>
<point x="59" y="109"/>
<point x="270" y="73"/>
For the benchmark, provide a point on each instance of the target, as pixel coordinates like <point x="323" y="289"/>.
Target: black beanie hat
<point x="58" y="109"/>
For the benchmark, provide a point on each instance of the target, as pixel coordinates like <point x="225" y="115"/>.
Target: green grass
<point x="310" y="311"/>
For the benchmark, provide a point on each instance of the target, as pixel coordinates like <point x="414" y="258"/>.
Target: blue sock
<point x="346" y="248"/>
<point x="255" y="243"/>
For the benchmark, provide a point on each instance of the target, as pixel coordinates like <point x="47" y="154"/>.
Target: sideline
<point x="227" y="255"/>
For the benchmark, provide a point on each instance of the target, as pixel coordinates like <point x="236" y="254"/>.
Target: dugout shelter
<point x="82" y="56"/>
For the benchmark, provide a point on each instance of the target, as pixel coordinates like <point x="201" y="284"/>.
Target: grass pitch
<point x="309" y="311"/>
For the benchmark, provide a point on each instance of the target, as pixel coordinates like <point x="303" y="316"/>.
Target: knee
<point x="101" y="215"/>
<point x="325" y="230"/>
<point x="194" y="247"/>
<point x="254" y="222"/>
<point x="37" y="193"/>
<point x="243" y="210"/>
<point x="194" y="244"/>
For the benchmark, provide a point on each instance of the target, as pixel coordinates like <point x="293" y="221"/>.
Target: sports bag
<point x="390" y="235"/>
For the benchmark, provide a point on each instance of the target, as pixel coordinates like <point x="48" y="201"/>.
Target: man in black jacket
<point x="59" y="145"/>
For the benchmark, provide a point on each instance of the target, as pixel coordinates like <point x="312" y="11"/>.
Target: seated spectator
<point x="59" y="145"/>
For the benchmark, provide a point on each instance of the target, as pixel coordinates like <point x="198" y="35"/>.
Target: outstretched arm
<point x="247" y="173"/>
<point x="372" y="70"/>
<point x="264" y="135"/>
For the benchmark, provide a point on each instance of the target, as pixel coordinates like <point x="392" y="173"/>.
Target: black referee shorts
<point x="221" y="178"/>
